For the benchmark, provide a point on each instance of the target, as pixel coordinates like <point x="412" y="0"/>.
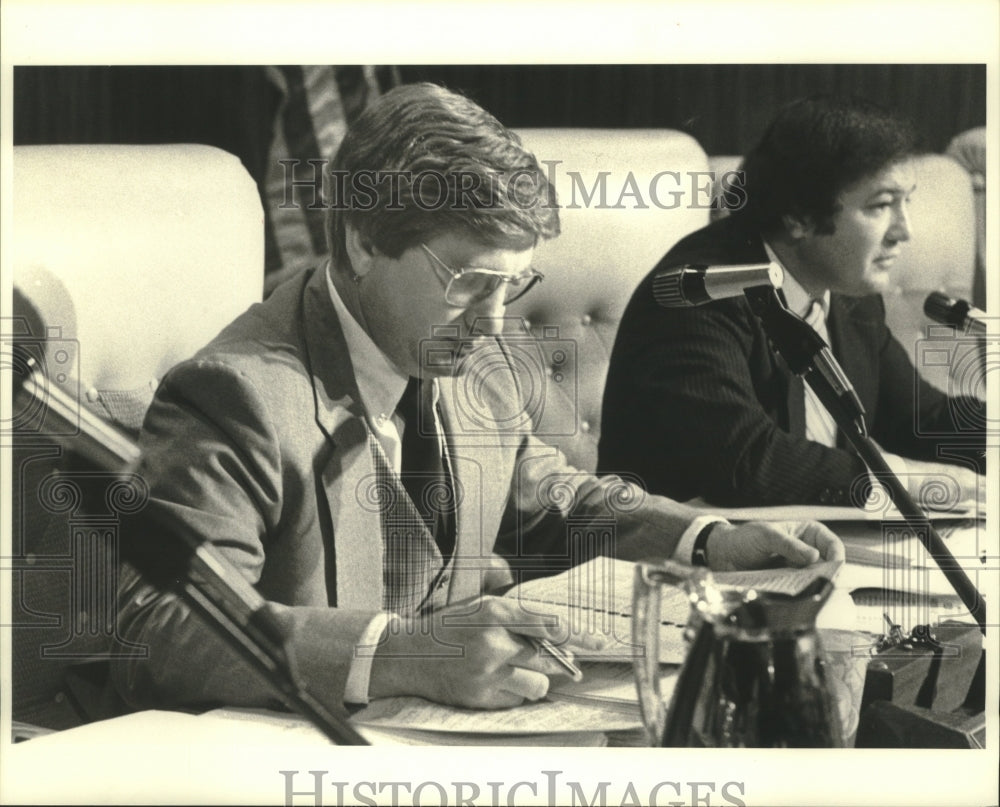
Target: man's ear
<point x="360" y="250"/>
<point x="797" y="227"/>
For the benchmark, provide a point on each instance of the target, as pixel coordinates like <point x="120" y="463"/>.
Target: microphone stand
<point x="208" y="582"/>
<point x="808" y="355"/>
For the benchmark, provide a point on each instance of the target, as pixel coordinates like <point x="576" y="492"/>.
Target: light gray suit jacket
<point x="259" y="445"/>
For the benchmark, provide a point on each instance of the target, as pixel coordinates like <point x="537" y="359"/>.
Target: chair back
<point x="125" y="259"/>
<point x="625" y="198"/>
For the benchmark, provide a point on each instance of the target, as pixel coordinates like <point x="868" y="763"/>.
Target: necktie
<point x="409" y="566"/>
<point x="820" y="425"/>
<point x="423" y="473"/>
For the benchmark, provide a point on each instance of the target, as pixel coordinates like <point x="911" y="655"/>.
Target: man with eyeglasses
<point x="356" y="444"/>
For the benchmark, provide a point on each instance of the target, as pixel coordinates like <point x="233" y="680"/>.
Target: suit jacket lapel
<point x="751" y="250"/>
<point x="476" y="464"/>
<point x="348" y="474"/>
<point x="852" y="345"/>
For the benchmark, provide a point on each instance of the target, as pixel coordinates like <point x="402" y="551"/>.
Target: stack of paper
<point x="888" y="571"/>
<point x="546" y="722"/>
<point x="596" y="597"/>
<point x="890" y="574"/>
<point x="406" y="721"/>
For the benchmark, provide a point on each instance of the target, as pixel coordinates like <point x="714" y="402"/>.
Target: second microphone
<point x="694" y="284"/>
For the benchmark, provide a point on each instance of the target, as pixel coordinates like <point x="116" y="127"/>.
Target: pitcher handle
<point x="646" y="597"/>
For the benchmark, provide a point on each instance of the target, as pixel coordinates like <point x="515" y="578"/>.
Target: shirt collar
<point x="798" y="299"/>
<point x="380" y="383"/>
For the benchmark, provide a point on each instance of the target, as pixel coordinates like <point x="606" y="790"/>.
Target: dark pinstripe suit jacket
<point x="698" y="404"/>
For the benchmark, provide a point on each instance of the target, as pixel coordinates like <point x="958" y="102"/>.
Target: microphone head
<point x="695" y="284"/>
<point x="947" y="310"/>
<point x="672" y="287"/>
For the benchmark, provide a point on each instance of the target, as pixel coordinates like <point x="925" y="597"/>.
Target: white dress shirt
<point x="821" y="427"/>
<point x="380" y="386"/>
<point x="820" y="424"/>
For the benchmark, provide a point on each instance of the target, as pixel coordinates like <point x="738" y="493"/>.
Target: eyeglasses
<point x="471" y="285"/>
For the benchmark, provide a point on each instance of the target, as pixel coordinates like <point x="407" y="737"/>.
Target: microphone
<point x="949" y="311"/>
<point x="695" y="284"/>
<point x="211" y="584"/>
<point x="93" y="439"/>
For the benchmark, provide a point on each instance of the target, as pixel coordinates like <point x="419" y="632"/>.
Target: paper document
<point x="830" y="514"/>
<point x="784" y="580"/>
<point x="596" y="597"/>
<point x="895" y="559"/>
<point x="612" y="684"/>
<point x="541" y="717"/>
<point x="280" y="727"/>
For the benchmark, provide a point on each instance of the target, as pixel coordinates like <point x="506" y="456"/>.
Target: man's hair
<point x="814" y="150"/>
<point x="422" y="160"/>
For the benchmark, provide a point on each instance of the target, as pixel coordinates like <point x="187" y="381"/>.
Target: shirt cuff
<point x="360" y="673"/>
<point x="685" y="546"/>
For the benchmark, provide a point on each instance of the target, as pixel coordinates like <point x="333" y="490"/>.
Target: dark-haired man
<point x="354" y="446"/>
<point x="697" y="402"/>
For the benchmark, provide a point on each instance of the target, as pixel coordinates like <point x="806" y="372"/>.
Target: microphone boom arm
<point x="808" y="355"/>
<point x="210" y="584"/>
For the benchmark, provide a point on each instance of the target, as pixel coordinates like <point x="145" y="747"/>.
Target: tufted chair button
<point x="93" y="395"/>
<point x="585" y="426"/>
<point x="586" y="319"/>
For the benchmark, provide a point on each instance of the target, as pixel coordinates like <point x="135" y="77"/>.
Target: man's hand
<point x="497" y="576"/>
<point x="759" y="544"/>
<point x="471" y="654"/>
<point x="936" y="485"/>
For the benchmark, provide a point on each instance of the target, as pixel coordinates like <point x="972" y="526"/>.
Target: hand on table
<point x="756" y="544"/>
<point x="937" y="486"/>
<point x="474" y="654"/>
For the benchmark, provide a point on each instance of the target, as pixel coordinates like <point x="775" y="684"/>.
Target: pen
<point x="563" y="659"/>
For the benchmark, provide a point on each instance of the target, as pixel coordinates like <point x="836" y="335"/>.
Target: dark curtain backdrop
<point x="724" y="106"/>
<point x="235" y="108"/>
<point x="229" y="107"/>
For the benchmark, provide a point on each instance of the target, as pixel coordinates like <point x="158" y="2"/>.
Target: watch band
<point x="699" y="552"/>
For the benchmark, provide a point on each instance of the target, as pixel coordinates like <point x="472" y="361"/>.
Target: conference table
<point x="255" y="756"/>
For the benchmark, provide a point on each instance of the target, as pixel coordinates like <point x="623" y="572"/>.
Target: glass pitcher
<point x="754" y="675"/>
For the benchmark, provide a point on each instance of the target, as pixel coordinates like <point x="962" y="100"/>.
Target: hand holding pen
<point x="489" y="652"/>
